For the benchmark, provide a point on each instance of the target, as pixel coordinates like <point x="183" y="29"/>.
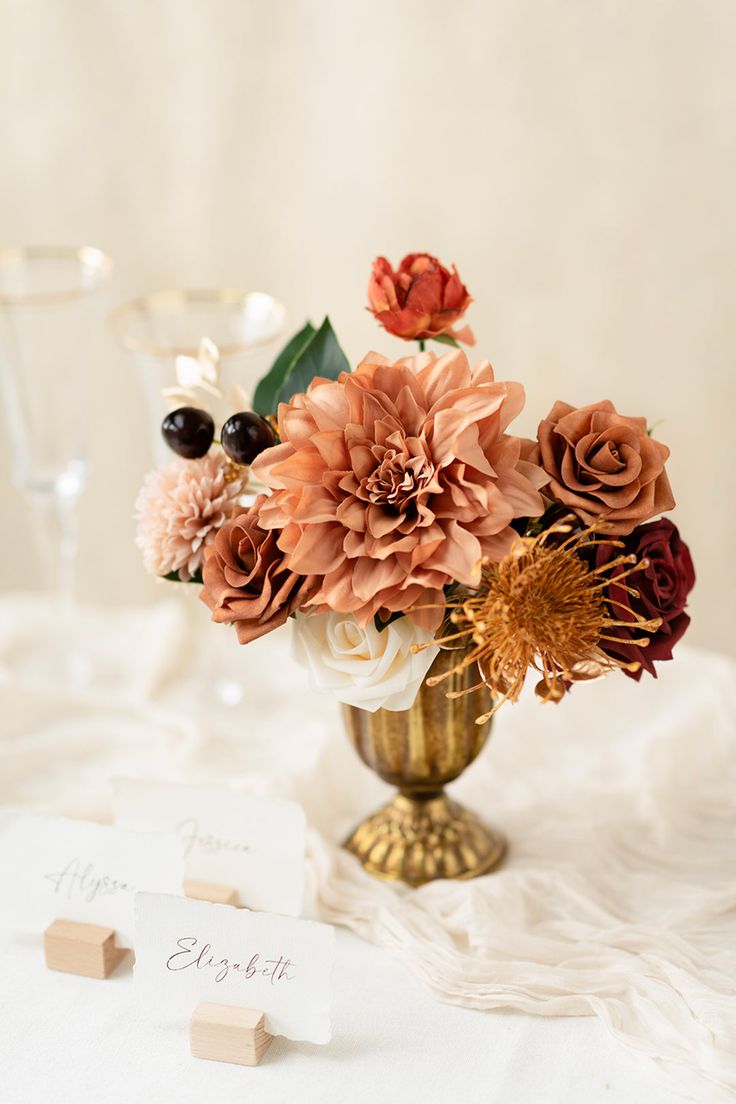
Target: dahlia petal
<point x="369" y="578"/>
<point x="263" y="465"/>
<point x="327" y="405"/>
<point x="300" y="468"/>
<point x="277" y="510"/>
<point x="296" y="423"/>
<point x="428" y="542"/>
<point x="462" y="408"/>
<point x="496" y="545"/>
<point x="467" y="449"/>
<point x="392" y="379"/>
<point x="444" y="374"/>
<point x="371" y="408"/>
<point x="522" y="496"/>
<point x="337" y="593"/>
<point x="380" y="548"/>
<point x="352" y="515"/>
<point x="459" y="555"/>
<point x="318" y="550"/>
<point x="482" y="372"/>
<point x="332" y="448"/>
<point x="380" y="521"/>
<point x="427" y="609"/>
<point x="316" y="504"/>
<point x="533" y="473"/>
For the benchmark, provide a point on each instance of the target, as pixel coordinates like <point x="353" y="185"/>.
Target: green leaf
<point x="445" y="339"/>
<point x="321" y="356"/>
<point x="265" y="400"/>
<point x="173" y="577"/>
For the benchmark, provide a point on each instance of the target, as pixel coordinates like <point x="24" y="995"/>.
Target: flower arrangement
<point x="388" y="511"/>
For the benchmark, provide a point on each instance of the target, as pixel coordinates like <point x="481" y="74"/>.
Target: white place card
<point x="253" y="844"/>
<point x="53" y="867"/>
<point x="191" y="951"/>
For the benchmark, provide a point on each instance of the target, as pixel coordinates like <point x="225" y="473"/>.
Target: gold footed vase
<point x="422" y="834"/>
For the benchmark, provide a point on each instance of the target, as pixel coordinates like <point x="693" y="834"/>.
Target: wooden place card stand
<point x="223" y="1033"/>
<point x="210" y="891"/>
<point x="85" y="949"/>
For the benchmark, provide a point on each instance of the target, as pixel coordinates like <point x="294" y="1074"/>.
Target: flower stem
<point x="421" y="345"/>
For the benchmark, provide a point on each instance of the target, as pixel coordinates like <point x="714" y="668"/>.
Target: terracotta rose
<point x="421" y="299"/>
<point x="603" y="465"/>
<point x="245" y="580"/>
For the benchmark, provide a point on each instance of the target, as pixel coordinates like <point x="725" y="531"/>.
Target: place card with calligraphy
<point x="53" y="867"/>
<point x="193" y="951"/>
<point x="253" y="844"/>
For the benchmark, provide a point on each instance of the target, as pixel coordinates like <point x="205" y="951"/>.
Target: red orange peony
<point x="420" y="300"/>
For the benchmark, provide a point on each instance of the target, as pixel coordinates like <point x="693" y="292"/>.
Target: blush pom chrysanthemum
<point x="179" y="509"/>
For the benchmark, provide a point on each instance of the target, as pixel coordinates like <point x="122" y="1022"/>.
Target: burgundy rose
<point x="421" y="299"/>
<point x="662" y="588"/>
<point x="245" y="581"/>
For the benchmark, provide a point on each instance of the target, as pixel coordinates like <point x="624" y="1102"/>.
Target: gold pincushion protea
<point x="543" y="606"/>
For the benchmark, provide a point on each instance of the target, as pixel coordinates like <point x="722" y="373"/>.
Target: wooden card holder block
<point x="210" y="891"/>
<point x="223" y="1033"/>
<point x="85" y="949"/>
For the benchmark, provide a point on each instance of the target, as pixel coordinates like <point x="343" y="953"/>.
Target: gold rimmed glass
<point x="48" y="301"/>
<point x="156" y="330"/>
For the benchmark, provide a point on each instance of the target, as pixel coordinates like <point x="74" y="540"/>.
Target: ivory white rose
<point x="359" y="665"/>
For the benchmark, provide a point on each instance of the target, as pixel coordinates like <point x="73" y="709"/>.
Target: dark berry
<point x="245" y="436"/>
<point x="188" y="432"/>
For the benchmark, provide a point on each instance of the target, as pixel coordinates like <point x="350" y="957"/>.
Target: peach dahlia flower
<point x="396" y="479"/>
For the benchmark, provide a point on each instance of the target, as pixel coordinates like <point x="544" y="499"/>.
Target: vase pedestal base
<point x="418" y="839"/>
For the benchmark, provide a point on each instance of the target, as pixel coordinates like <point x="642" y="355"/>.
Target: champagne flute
<point x="47" y="305"/>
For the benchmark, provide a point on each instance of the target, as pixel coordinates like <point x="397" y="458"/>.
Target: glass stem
<point x="56" y="527"/>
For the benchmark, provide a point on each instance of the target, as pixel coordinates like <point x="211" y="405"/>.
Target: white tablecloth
<point x="615" y="907"/>
<point x="71" y="1040"/>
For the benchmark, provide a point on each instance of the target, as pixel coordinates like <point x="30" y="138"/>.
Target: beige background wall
<point x="576" y="159"/>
